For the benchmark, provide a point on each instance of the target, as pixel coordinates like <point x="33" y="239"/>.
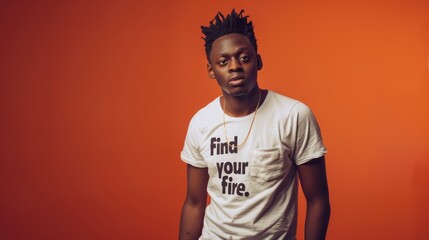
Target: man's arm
<point x="314" y="184"/>
<point x="191" y="222"/>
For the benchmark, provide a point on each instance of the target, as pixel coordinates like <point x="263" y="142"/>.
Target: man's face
<point x="234" y="63"/>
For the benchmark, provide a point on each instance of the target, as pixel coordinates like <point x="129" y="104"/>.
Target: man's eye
<point x="222" y="62"/>
<point x="244" y="58"/>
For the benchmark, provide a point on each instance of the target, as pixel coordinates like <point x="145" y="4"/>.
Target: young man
<point x="246" y="147"/>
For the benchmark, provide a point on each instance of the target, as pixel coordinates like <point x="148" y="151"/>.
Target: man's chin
<point x="239" y="93"/>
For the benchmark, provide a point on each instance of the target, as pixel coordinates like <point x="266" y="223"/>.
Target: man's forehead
<point x="231" y="43"/>
<point x="232" y="37"/>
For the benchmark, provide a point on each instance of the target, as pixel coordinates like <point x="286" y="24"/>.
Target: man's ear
<point x="260" y="64"/>
<point x="210" y="71"/>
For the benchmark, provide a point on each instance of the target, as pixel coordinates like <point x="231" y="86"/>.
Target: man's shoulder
<point x="208" y="112"/>
<point x="210" y="108"/>
<point x="282" y="98"/>
<point x="282" y="101"/>
<point x="292" y="106"/>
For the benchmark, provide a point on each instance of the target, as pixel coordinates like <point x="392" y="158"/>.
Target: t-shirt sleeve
<point x="191" y="153"/>
<point x="308" y="139"/>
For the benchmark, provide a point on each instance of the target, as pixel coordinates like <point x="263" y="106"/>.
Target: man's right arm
<point x="191" y="222"/>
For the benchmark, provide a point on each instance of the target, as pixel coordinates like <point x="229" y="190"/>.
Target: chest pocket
<point x="268" y="164"/>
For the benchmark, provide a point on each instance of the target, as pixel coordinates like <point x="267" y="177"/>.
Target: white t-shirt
<point x="253" y="189"/>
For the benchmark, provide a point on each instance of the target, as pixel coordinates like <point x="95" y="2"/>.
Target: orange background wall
<point x="95" y="99"/>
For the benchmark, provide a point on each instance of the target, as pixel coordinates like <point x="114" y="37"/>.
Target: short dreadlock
<point x="232" y="23"/>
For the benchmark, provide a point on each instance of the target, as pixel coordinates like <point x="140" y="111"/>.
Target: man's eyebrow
<point x="240" y="50"/>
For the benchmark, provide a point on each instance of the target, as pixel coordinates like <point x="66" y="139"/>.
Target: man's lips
<point x="236" y="80"/>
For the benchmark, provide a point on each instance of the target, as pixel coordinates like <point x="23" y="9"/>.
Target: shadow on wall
<point x="421" y="199"/>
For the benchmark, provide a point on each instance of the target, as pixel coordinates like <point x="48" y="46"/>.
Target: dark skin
<point x="234" y="63"/>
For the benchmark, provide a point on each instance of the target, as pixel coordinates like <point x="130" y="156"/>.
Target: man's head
<point x="232" y="54"/>
<point x="232" y="23"/>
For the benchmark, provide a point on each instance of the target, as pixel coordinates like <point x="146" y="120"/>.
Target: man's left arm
<point x="312" y="175"/>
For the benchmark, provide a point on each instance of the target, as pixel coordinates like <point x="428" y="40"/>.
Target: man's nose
<point x="235" y="65"/>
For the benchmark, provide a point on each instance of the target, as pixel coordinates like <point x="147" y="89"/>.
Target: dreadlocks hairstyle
<point x="232" y="23"/>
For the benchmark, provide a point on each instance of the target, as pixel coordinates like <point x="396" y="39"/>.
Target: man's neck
<point x="239" y="106"/>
